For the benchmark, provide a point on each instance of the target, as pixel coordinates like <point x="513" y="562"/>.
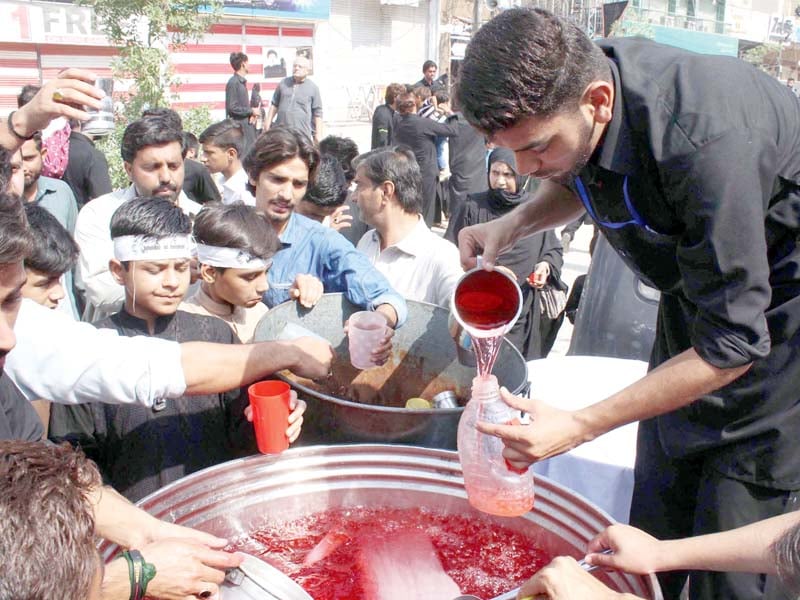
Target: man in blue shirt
<point x="51" y="194"/>
<point x="312" y="258"/>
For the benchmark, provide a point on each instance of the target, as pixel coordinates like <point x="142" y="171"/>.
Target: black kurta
<point x="420" y="134"/>
<point x="467" y="154"/>
<point x="382" y="125"/>
<point x="140" y="449"/>
<point x="710" y="149"/>
<point x="237" y="107"/>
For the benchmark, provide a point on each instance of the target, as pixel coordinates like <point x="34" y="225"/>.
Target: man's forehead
<point x="292" y="168"/>
<point x="29" y="148"/>
<point x="162" y="264"/>
<point x="525" y="133"/>
<point x="168" y="151"/>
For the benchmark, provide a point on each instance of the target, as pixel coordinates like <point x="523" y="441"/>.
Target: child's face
<point x="43" y="288"/>
<point x="215" y="158"/>
<point x="153" y="288"/>
<point x="239" y="287"/>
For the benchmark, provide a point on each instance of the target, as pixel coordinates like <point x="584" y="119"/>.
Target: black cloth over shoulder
<point x="87" y="169"/>
<point x="18" y="419"/>
<point x="198" y="183"/>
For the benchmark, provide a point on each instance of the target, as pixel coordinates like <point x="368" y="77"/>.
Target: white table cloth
<point x="600" y="470"/>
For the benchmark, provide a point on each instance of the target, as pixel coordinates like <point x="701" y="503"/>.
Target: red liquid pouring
<point x="483" y="558"/>
<point x="486" y="300"/>
<point x="486" y="351"/>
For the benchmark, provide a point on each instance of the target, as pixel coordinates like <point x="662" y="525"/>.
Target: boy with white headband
<point x="140" y="449"/>
<point x="235" y="246"/>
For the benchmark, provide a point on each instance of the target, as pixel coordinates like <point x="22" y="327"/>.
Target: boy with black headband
<point x="141" y="449"/>
<point x="235" y="245"/>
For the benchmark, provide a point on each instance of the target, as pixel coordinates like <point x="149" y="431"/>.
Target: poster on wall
<point x="278" y="61"/>
<point x="293" y="9"/>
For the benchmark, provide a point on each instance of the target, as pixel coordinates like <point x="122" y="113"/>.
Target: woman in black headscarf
<point x="536" y="260"/>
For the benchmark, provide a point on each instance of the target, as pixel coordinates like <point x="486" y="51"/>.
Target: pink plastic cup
<point x="270" y="403"/>
<point x="365" y="331"/>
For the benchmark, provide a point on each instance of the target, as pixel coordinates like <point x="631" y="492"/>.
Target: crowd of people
<point x="129" y="315"/>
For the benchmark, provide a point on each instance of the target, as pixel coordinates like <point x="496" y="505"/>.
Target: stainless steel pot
<point x="244" y="495"/>
<point x="368" y="406"/>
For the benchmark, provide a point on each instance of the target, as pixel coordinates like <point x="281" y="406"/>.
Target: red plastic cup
<point x="270" y="403"/>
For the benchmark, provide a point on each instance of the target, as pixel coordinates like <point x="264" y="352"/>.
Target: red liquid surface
<point x="486" y="300"/>
<point x="482" y="557"/>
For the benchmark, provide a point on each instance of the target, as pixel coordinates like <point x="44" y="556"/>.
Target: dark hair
<point x="155" y="130"/>
<point x="526" y="62"/>
<point x="153" y="217"/>
<point x="169" y="115"/>
<point x="393" y="90"/>
<point x="442" y="97"/>
<point x="26" y="94"/>
<point x="344" y="150"/>
<point x="47" y="540"/>
<point x="786" y="550"/>
<point x="330" y="187"/>
<point x="428" y="64"/>
<point x="163" y="112"/>
<point x="277" y="145"/>
<point x="399" y="166"/>
<point x="236" y="226"/>
<point x="225" y="134"/>
<point x="237" y="58"/>
<point x="15" y="237"/>
<point x="5" y="169"/>
<point x="423" y="92"/>
<point x="407" y="104"/>
<point x="37" y="139"/>
<point x="53" y="251"/>
<point x="190" y="142"/>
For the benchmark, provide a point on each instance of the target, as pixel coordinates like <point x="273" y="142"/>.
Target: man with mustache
<point x="152" y="155"/>
<point x="312" y="259"/>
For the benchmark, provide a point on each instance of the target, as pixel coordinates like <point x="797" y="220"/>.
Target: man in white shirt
<point x="418" y="263"/>
<point x="223" y="145"/>
<point x="152" y="155"/>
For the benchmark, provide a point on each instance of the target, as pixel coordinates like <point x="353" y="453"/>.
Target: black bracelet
<point x="16" y="133"/>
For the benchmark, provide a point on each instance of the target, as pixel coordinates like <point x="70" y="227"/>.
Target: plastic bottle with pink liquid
<point x="492" y="487"/>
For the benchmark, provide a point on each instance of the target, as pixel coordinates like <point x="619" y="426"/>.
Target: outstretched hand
<point x="633" y="550"/>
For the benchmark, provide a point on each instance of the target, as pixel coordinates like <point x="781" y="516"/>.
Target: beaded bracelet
<point x="140" y="573"/>
<point x="15" y="133"/>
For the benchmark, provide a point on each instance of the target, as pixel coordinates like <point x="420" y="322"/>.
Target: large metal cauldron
<point x="368" y="406"/>
<point x="245" y="495"/>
